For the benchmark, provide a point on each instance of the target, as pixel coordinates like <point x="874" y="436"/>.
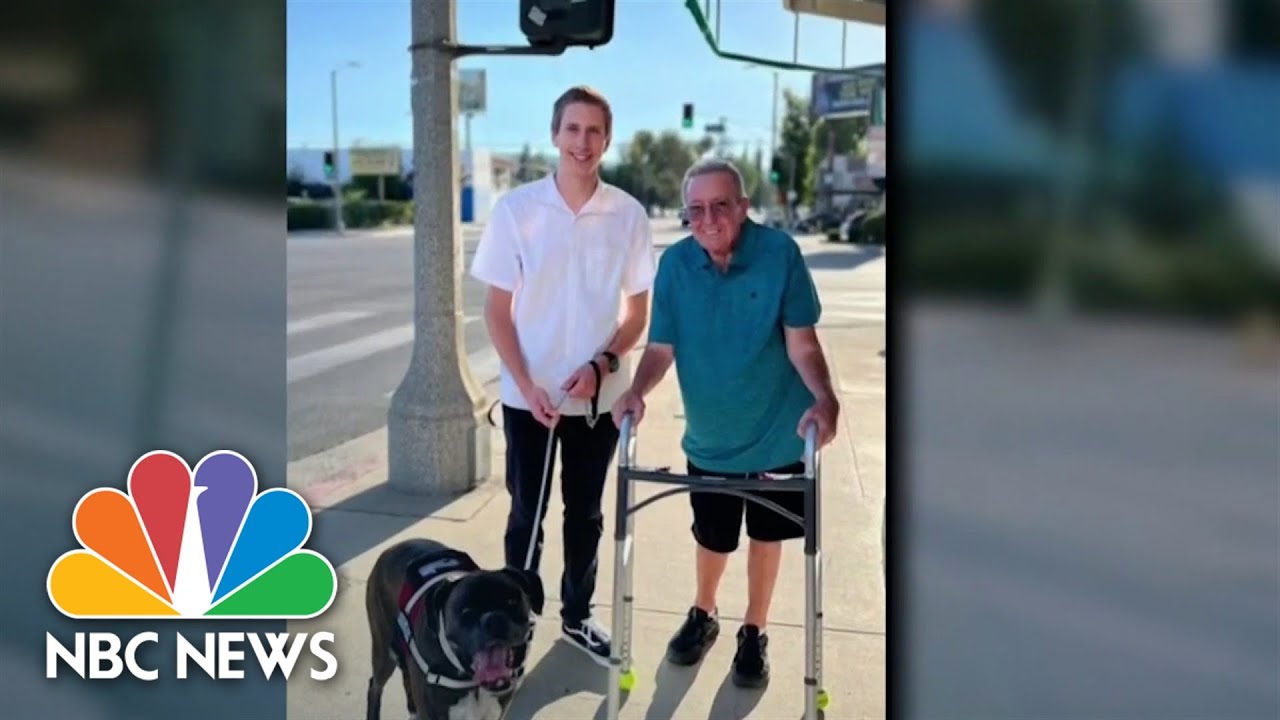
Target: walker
<point x="622" y="676"/>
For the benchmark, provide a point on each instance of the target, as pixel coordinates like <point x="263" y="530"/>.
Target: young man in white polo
<point x="569" y="262"/>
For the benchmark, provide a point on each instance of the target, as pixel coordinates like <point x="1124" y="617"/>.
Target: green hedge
<point x="359" y="214"/>
<point x="872" y="229"/>
<point x="1002" y="261"/>
<point x="309" y="216"/>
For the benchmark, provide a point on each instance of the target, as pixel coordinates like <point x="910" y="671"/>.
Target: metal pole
<point x="337" y="174"/>
<point x="795" y="41"/>
<point x="773" y="132"/>
<point x="437" y="439"/>
<point x="469" y="170"/>
<point x="844" y="42"/>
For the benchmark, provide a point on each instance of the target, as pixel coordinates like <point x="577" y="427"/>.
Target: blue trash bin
<point x="468" y="204"/>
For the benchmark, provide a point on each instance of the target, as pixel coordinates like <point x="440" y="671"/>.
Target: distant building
<point x="479" y="190"/>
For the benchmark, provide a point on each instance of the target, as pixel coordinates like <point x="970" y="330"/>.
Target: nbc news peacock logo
<point x="187" y="544"/>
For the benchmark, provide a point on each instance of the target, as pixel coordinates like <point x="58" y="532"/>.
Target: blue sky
<point x="656" y="61"/>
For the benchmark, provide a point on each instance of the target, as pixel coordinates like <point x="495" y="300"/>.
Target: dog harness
<point x="421" y="576"/>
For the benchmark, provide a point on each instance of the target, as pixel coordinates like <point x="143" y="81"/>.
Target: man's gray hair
<point x="710" y="166"/>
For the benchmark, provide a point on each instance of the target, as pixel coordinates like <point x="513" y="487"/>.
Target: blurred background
<point x="1085" y="505"/>
<point x="141" y="295"/>
<point x="1085" y="516"/>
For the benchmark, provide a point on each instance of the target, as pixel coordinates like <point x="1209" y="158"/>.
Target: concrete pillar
<point x="437" y="435"/>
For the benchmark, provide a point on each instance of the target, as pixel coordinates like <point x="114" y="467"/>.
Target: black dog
<point x="458" y="634"/>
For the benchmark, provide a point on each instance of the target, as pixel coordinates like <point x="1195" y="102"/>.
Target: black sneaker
<point x="590" y="638"/>
<point x="694" y="638"/>
<point x="751" y="663"/>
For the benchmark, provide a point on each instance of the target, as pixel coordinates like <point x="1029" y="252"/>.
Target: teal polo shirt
<point x="742" y="396"/>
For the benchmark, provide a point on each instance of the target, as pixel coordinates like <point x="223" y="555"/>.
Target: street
<point x="350" y="330"/>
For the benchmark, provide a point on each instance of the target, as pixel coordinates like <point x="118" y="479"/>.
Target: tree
<point x="849" y="133"/>
<point x="845" y="136"/>
<point x="656" y="167"/>
<point x="793" y="161"/>
<point x="1039" y="47"/>
<point x="530" y="166"/>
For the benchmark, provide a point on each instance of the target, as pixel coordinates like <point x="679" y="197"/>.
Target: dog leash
<point x="591" y="418"/>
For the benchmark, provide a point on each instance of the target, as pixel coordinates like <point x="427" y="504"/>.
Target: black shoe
<point x="588" y="637"/>
<point x="751" y="663"/>
<point x="694" y="638"/>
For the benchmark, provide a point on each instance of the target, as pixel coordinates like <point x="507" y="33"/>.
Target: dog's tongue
<point x="490" y="665"/>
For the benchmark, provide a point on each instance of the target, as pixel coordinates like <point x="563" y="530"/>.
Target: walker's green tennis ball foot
<point x="823" y="699"/>
<point x="627" y="680"/>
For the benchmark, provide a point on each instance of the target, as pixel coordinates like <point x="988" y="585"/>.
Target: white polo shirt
<point x="568" y="274"/>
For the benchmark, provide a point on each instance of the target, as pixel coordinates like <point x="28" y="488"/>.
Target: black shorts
<point x="717" y="518"/>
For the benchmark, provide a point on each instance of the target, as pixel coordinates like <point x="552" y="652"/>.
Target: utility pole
<point x="436" y="439"/>
<point x="337" y="176"/>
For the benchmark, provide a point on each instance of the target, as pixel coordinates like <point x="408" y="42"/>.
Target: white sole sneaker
<point x="602" y="661"/>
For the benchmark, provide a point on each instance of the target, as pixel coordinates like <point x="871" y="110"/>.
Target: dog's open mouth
<point x="492" y="664"/>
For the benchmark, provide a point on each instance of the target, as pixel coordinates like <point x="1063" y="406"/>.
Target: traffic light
<point x="329" y="168"/>
<point x="687" y="118"/>
<point x="774" y="176"/>
<point x="571" y="22"/>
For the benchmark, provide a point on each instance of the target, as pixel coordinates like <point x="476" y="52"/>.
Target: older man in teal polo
<point x="734" y="307"/>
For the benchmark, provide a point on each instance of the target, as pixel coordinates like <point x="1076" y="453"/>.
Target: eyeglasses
<point x="719" y="209"/>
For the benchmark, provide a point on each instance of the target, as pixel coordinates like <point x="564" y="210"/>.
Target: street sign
<point x="715" y="128"/>
<point x="374" y="161"/>
<point x="471" y="90"/>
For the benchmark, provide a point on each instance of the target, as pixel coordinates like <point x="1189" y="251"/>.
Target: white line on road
<point x="827" y="317"/>
<point x="318" y="361"/>
<point x="326" y="320"/>
<point x="325" y="359"/>
<point x="485" y="367"/>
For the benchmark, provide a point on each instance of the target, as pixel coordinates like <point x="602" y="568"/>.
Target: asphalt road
<point x="350" y="333"/>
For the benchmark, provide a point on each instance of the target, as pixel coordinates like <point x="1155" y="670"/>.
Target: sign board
<point x="877" y="151"/>
<point x="850" y="94"/>
<point x="374" y="161"/>
<point x="471" y="90"/>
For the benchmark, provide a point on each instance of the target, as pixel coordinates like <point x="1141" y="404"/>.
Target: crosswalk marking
<point x="318" y="361"/>
<point x="326" y="320"/>
<point x="853" y="305"/>
<point x="838" y="306"/>
<point x="485" y="367"/>
<point x="324" y="359"/>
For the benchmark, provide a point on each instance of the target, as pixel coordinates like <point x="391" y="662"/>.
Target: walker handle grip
<point x="626" y="440"/>
<point x="810" y="448"/>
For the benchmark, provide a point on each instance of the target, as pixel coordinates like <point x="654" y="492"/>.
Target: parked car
<point x="849" y="229"/>
<point x="819" y="222"/>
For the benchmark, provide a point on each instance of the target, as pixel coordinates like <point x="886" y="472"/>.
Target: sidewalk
<point x="357" y="516"/>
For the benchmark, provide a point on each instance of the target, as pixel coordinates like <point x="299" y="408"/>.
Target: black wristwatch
<point x="613" y="361"/>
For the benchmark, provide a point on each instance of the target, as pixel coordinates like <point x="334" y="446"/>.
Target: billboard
<point x="374" y="161"/>
<point x="846" y="94"/>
